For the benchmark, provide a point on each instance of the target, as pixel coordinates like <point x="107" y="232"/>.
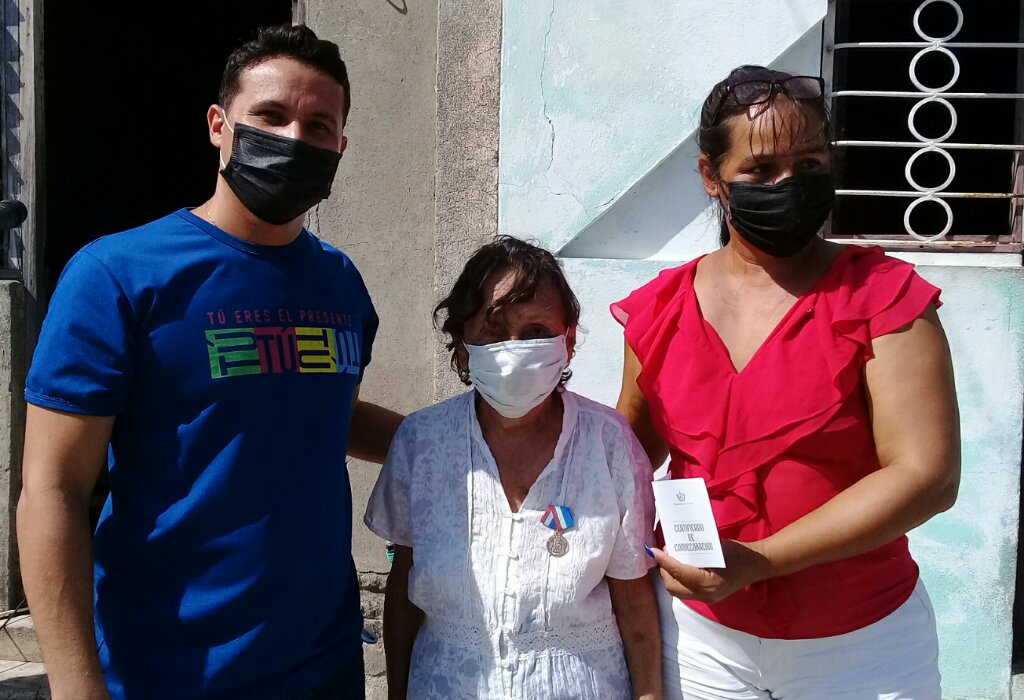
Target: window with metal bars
<point x="928" y="102"/>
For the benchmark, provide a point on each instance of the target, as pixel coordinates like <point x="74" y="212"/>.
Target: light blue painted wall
<point x="968" y="555"/>
<point x="598" y="105"/>
<point x="594" y="95"/>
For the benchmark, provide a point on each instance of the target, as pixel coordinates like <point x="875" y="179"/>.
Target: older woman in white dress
<point x="520" y="511"/>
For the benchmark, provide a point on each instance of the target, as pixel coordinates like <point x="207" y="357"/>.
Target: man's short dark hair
<point x="298" y="42"/>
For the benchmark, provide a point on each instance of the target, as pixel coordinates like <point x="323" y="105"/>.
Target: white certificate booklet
<point x="687" y="522"/>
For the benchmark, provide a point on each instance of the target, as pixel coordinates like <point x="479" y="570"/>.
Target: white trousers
<point x="895" y="658"/>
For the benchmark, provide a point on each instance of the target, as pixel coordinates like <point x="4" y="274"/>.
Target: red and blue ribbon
<point x="557" y="518"/>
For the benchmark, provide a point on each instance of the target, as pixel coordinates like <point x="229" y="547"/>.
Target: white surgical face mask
<point x="515" y="376"/>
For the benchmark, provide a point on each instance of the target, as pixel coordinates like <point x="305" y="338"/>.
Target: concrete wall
<point x="598" y="106"/>
<point x="466" y="214"/>
<point x="12" y="422"/>
<point x="381" y="213"/>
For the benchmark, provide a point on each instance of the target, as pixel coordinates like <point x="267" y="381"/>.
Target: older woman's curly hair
<point x="531" y="265"/>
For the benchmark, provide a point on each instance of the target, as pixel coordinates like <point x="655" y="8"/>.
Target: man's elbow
<point x="30" y="502"/>
<point x="41" y="505"/>
<point x="29" y="517"/>
<point x="23" y="512"/>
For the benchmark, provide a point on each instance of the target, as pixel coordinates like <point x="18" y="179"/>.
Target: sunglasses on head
<point x="758" y="92"/>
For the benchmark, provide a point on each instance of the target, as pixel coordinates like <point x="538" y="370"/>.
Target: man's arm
<point x="402" y="622"/>
<point x="371" y="430"/>
<point x="64" y="455"/>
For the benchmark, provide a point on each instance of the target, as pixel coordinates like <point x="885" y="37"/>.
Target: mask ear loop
<point x="224" y="116"/>
<point x="569" y="355"/>
<point x="724" y="201"/>
<point x="464" y="373"/>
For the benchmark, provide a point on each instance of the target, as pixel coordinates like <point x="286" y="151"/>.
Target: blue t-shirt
<point x="223" y="555"/>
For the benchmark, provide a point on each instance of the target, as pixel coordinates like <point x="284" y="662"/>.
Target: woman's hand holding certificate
<point x="695" y="564"/>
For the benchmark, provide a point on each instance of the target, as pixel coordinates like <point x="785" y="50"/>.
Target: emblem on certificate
<point x="558" y="518"/>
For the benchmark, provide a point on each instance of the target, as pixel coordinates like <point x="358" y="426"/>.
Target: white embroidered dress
<point x="504" y="618"/>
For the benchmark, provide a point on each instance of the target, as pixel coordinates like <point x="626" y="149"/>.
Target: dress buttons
<point x="513" y="555"/>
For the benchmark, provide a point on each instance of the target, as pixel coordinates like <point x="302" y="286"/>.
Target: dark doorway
<point x="127" y="85"/>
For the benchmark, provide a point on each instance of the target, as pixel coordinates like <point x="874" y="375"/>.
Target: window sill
<point x="951" y="255"/>
<point x="961" y="259"/>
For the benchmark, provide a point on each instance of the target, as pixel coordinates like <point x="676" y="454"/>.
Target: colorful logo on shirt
<point x="235" y="352"/>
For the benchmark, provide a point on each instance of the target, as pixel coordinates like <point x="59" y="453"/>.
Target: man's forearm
<point x="371" y="431"/>
<point x="56" y="564"/>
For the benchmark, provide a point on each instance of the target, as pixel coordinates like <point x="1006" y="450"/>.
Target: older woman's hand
<point x="745" y="564"/>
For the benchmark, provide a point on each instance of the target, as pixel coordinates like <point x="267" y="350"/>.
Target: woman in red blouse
<point x="810" y="385"/>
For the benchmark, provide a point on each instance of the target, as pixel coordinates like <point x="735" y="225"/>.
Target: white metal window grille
<point x="927" y="100"/>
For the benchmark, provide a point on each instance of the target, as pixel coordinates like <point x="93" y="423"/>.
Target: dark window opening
<point x="126" y="99"/>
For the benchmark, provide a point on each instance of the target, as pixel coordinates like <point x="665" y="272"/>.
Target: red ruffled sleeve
<point x="645" y="312"/>
<point x="874" y="295"/>
<point x="878" y="295"/>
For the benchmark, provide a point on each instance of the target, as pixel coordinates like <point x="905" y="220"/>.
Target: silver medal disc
<point x="557" y="545"/>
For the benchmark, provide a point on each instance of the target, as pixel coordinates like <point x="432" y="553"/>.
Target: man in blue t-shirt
<point x="216" y="354"/>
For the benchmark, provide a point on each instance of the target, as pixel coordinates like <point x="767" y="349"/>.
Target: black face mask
<point x="781" y="219"/>
<point x="277" y="178"/>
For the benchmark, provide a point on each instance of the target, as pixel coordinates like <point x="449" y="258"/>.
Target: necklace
<point x="208" y="215"/>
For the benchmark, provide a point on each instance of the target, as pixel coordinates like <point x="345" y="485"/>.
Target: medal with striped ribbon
<point x="557" y="518"/>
